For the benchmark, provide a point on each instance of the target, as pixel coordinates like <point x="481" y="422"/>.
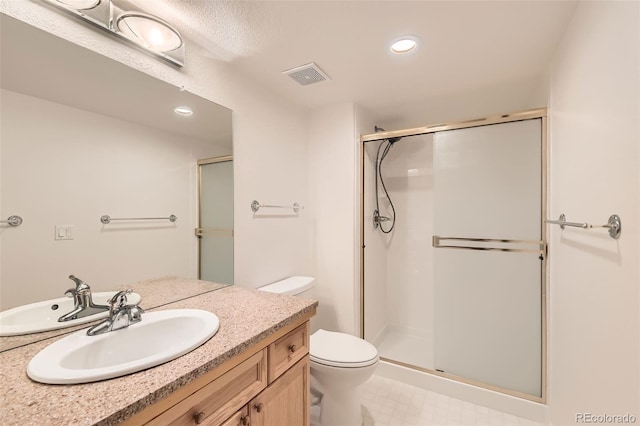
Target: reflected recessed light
<point x="183" y="110"/>
<point x="404" y="44"/>
<point x="150" y="31"/>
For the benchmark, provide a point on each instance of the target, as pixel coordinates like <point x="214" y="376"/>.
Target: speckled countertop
<point x="246" y="317"/>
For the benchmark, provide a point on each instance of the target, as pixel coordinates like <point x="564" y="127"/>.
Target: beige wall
<point x="594" y="349"/>
<point x="332" y="148"/>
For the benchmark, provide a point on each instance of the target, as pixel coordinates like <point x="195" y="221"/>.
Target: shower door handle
<point x="490" y="244"/>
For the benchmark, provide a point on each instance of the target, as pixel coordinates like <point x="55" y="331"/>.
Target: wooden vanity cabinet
<point x="286" y="401"/>
<point x="265" y="385"/>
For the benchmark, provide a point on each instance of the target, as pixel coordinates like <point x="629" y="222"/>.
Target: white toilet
<point x="340" y="363"/>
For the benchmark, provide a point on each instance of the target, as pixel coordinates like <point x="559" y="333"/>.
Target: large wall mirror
<point x="83" y="136"/>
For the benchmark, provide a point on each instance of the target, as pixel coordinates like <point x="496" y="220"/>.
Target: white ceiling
<point x="468" y="47"/>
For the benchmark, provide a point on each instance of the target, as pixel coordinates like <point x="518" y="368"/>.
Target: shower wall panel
<point x="408" y="174"/>
<point x="375" y="262"/>
<point x="398" y="265"/>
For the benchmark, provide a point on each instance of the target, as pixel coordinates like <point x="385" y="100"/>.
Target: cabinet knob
<point x="292" y="348"/>
<point x="199" y="417"/>
<point x="244" y="420"/>
<point x="259" y="407"/>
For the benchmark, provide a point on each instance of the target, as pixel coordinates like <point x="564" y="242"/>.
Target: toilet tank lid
<point x="291" y="285"/>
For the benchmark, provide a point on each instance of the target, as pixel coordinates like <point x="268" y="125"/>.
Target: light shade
<point x="80" y="4"/>
<point x="149" y="31"/>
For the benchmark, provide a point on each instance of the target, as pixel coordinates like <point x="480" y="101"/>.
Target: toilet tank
<point x="294" y="286"/>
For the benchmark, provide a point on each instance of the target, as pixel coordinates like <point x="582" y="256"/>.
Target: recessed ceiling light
<point x="183" y="110"/>
<point x="404" y="44"/>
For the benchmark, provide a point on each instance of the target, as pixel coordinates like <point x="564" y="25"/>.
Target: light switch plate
<point x="64" y="232"/>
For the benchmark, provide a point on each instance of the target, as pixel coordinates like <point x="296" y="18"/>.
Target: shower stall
<point x="454" y="252"/>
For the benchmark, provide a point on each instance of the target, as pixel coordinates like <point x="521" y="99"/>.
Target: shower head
<point x="393" y="140"/>
<point x="390" y="140"/>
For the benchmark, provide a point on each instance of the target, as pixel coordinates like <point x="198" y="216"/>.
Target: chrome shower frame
<point x="540" y="113"/>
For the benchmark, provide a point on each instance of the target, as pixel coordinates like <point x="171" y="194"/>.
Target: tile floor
<point x="388" y="402"/>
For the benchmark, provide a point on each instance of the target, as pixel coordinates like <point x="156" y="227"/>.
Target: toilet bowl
<point x="340" y="363"/>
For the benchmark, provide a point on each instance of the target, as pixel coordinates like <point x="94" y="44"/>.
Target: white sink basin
<point x="158" y="338"/>
<point x="43" y="316"/>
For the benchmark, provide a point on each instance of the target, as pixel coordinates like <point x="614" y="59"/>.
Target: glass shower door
<point x="489" y="254"/>
<point x="215" y="230"/>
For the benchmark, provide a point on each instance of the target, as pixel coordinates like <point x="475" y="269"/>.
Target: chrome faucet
<point x="83" y="303"/>
<point x="121" y="315"/>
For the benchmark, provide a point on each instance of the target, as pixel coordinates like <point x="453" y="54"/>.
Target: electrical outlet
<point x="64" y="232"/>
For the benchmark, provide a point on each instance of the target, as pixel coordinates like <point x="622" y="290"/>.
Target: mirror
<point x="83" y="136"/>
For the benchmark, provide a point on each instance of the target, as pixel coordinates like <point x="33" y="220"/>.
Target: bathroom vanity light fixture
<point x="147" y="32"/>
<point x="404" y="44"/>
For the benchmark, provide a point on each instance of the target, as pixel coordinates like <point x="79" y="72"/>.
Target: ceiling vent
<point x="307" y="74"/>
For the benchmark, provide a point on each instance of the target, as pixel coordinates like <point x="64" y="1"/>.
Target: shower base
<point x="406" y="345"/>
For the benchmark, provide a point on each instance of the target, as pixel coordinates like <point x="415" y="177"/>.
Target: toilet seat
<point x="341" y="350"/>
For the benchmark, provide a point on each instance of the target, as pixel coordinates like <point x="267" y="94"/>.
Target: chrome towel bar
<point x="614" y="224"/>
<point x="255" y="206"/>
<point x="13" y="220"/>
<point x="107" y="219"/>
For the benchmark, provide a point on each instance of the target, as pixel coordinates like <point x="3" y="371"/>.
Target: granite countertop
<point x="246" y="317"/>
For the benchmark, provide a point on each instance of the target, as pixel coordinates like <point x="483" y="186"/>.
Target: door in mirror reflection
<point x="215" y="220"/>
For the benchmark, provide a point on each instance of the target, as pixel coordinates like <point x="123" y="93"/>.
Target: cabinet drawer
<point x="286" y="351"/>
<point x="220" y="399"/>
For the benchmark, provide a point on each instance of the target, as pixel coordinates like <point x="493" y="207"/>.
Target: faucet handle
<point x="81" y="286"/>
<point x="119" y="300"/>
<point x="135" y="314"/>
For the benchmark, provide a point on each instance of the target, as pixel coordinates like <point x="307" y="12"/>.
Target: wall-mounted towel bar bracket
<point x="255" y="206"/>
<point x="13" y="220"/>
<point x="614" y="224"/>
<point x="107" y="219"/>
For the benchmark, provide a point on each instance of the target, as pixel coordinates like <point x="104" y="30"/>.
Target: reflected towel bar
<point x="107" y="219"/>
<point x="255" y="206"/>
<point x="13" y="220"/>
<point x="614" y="224"/>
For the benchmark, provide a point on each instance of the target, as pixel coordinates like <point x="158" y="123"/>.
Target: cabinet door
<point x="240" y="418"/>
<point x="286" y="401"/>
